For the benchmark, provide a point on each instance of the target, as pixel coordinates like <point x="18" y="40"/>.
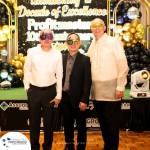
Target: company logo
<point x="91" y="106"/>
<point x="125" y="106"/>
<point x="4" y="106"/>
<point x="14" y="141"/>
<point x="92" y="122"/>
<point x="21" y="106"/>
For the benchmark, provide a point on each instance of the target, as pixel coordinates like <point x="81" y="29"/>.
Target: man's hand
<point x="119" y="94"/>
<point x="57" y="101"/>
<point x="26" y="90"/>
<point x="82" y="106"/>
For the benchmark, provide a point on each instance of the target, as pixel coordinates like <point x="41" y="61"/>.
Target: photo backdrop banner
<point x="62" y="17"/>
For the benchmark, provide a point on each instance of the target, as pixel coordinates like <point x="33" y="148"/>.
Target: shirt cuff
<point x="58" y="96"/>
<point x="120" y="88"/>
<point x="26" y="87"/>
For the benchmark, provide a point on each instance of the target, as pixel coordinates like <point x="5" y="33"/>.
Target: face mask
<point x="97" y="25"/>
<point x="73" y="41"/>
<point x="45" y="36"/>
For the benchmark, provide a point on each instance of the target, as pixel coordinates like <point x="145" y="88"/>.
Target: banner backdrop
<point x="62" y="17"/>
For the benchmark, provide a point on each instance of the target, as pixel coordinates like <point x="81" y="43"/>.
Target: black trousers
<point x="108" y="114"/>
<point x="69" y="113"/>
<point x="38" y="99"/>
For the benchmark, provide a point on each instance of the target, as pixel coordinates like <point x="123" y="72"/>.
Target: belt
<point x="66" y="92"/>
<point x="42" y="88"/>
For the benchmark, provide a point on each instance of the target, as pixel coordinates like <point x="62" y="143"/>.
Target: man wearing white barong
<point x="109" y="70"/>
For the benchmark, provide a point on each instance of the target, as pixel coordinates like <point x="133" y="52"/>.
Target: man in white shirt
<point x="109" y="70"/>
<point x="41" y="66"/>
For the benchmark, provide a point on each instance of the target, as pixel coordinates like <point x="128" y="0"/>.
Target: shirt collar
<point x="73" y="56"/>
<point x="101" y="39"/>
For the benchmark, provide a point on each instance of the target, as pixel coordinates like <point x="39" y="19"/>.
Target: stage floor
<point x="128" y="140"/>
<point x="20" y="94"/>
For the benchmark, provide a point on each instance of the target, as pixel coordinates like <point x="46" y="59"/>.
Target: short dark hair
<point x="73" y="33"/>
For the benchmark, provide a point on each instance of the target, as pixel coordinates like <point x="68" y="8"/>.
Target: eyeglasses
<point x="45" y="36"/>
<point x="97" y="25"/>
<point x="73" y="41"/>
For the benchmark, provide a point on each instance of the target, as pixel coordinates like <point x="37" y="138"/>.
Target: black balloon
<point x="136" y="57"/>
<point x="128" y="57"/>
<point x="126" y="20"/>
<point x="5" y="65"/>
<point x="142" y="65"/>
<point x="146" y="68"/>
<point x="4" y="20"/>
<point x="132" y="58"/>
<point x="129" y="78"/>
<point x="134" y="70"/>
<point x="126" y="5"/>
<point x="118" y="10"/>
<point x="137" y="64"/>
<point x="11" y="66"/>
<point x="133" y="66"/>
<point x="2" y="10"/>
<point x="11" y="70"/>
<point x="130" y="52"/>
<point x="0" y="63"/>
<point x="141" y="53"/>
<point x="120" y="20"/>
<point x="12" y="77"/>
<point x="140" y="15"/>
<point x="136" y="4"/>
<point x="16" y="83"/>
<point x="136" y="49"/>
<point x="144" y="59"/>
<point x="125" y="15"/>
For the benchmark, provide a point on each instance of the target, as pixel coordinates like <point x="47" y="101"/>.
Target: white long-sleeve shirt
<point x="109" y="68"/>
<point x="43" y="69"/>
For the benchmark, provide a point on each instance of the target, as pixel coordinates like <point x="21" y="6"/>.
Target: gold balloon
<point x="20" y="55"/>
<point x="138" y="35"/>
<point x="24" y="59"/>
<point x="3" y="43"/>
<point x="12" y="62"/>
<point x="117" y="35"/>
<point x="144" y="42"/>
<point x="128" y="44"/>
<point x="133" y="30"/>
<point x="3" y="37"/>
<point x="1" y="48"/>
<point x="127" y="27"/>
<point x="122" y="33"/>
<point x="120" y="38"/>
<point x="124" y="43"/>
<point x="134" y="41"/>
<point x="118" y="28"/>
<point x="143" y="31"/>
<point x="16" y="58"/>
<point x="19" y="73"/>
<point x="5" y="29"/>
<point x="135" y="22"/>
<point x="139" y="27"/>
<point x="1" y="31"/>
<point x="128" y="36"/>
<point x="18" y="64"/>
